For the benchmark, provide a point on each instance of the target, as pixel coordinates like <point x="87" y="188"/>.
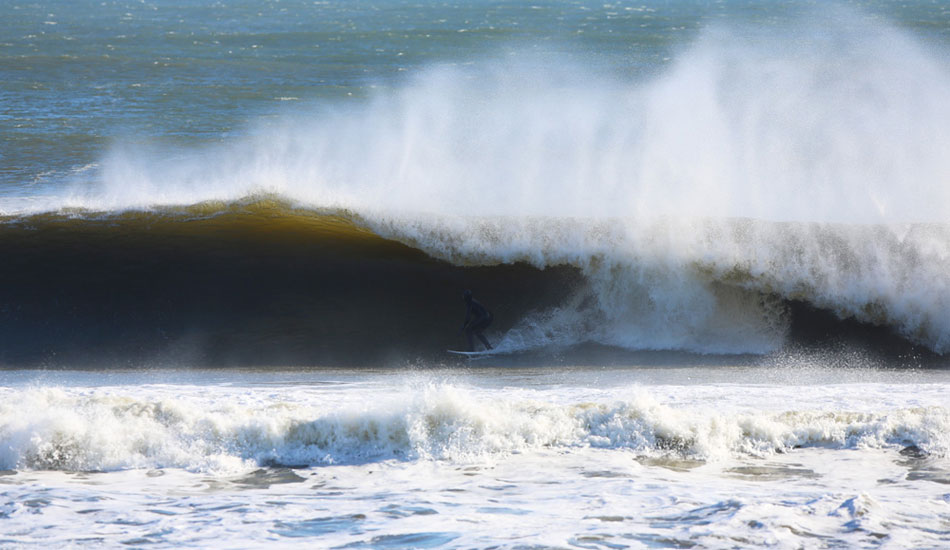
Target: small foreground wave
<point x="57" y="429"/>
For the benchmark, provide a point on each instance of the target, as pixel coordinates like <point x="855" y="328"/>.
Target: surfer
<point x="477" y="319"/>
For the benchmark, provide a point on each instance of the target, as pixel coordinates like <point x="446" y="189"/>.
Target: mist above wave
<point x="832" y="119"/>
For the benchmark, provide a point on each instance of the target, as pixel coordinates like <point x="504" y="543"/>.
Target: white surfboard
<point x="472" y="354"/>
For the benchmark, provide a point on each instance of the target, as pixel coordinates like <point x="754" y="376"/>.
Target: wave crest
<point x="68" y="430"/>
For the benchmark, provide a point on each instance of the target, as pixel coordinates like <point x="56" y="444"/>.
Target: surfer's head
<point x="467" y="295"/>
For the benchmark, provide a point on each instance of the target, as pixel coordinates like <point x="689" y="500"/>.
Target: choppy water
<point x="714" y="236"/>
<point x="471" y="457"/>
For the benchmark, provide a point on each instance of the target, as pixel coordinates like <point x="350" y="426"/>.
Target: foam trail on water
<point x="807" y="163"/>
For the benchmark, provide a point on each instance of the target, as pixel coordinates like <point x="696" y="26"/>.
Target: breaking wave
<point x="80" y="430"/>
<point x="684" y="210"/>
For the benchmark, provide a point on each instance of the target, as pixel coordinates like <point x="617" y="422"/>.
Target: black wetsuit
<point x="477" y="319"/>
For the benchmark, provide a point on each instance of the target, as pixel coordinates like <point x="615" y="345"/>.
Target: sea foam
<point x="116" y="429"/>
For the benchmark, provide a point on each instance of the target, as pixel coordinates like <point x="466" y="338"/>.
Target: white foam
<point x="128" y="428"/>
<point x="547" y="456"/>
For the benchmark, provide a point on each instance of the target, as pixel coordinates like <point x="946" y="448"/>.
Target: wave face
<point x="108" y="430"/>
<point x="262" y="282"/>
<point x="684" y="210"/>
<point x="255" y="282"/>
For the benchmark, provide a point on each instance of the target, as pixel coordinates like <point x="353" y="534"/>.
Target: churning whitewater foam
<point x="99" y="430"/>
<point x="759" y="166"/>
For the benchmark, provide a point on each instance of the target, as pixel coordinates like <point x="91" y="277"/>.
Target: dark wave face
<point x="260" y="282"/>
<point x="242" y="284"/>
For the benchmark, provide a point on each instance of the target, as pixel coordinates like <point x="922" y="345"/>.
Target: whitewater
<point x="234" y="240"/>
<point x="629" y="457"/>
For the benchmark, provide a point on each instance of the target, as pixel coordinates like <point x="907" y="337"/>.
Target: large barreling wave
<point x="693" y="204"/>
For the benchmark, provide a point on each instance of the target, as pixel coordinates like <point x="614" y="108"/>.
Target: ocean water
<point x="715" y="237"/>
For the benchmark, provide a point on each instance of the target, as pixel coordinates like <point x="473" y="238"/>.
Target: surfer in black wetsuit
<point x="477" y="319"/>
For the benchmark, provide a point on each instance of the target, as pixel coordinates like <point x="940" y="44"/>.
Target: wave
<point x="257" y="282"/>
<point x="688" y="210"/>
<point x="263" y="281"/>
<point x="102" y="431"/>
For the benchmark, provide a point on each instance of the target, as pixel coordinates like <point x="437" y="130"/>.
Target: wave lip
<point x="99" y="431"/>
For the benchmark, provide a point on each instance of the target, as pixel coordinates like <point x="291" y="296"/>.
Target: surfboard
<point x="472" y="354"/>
